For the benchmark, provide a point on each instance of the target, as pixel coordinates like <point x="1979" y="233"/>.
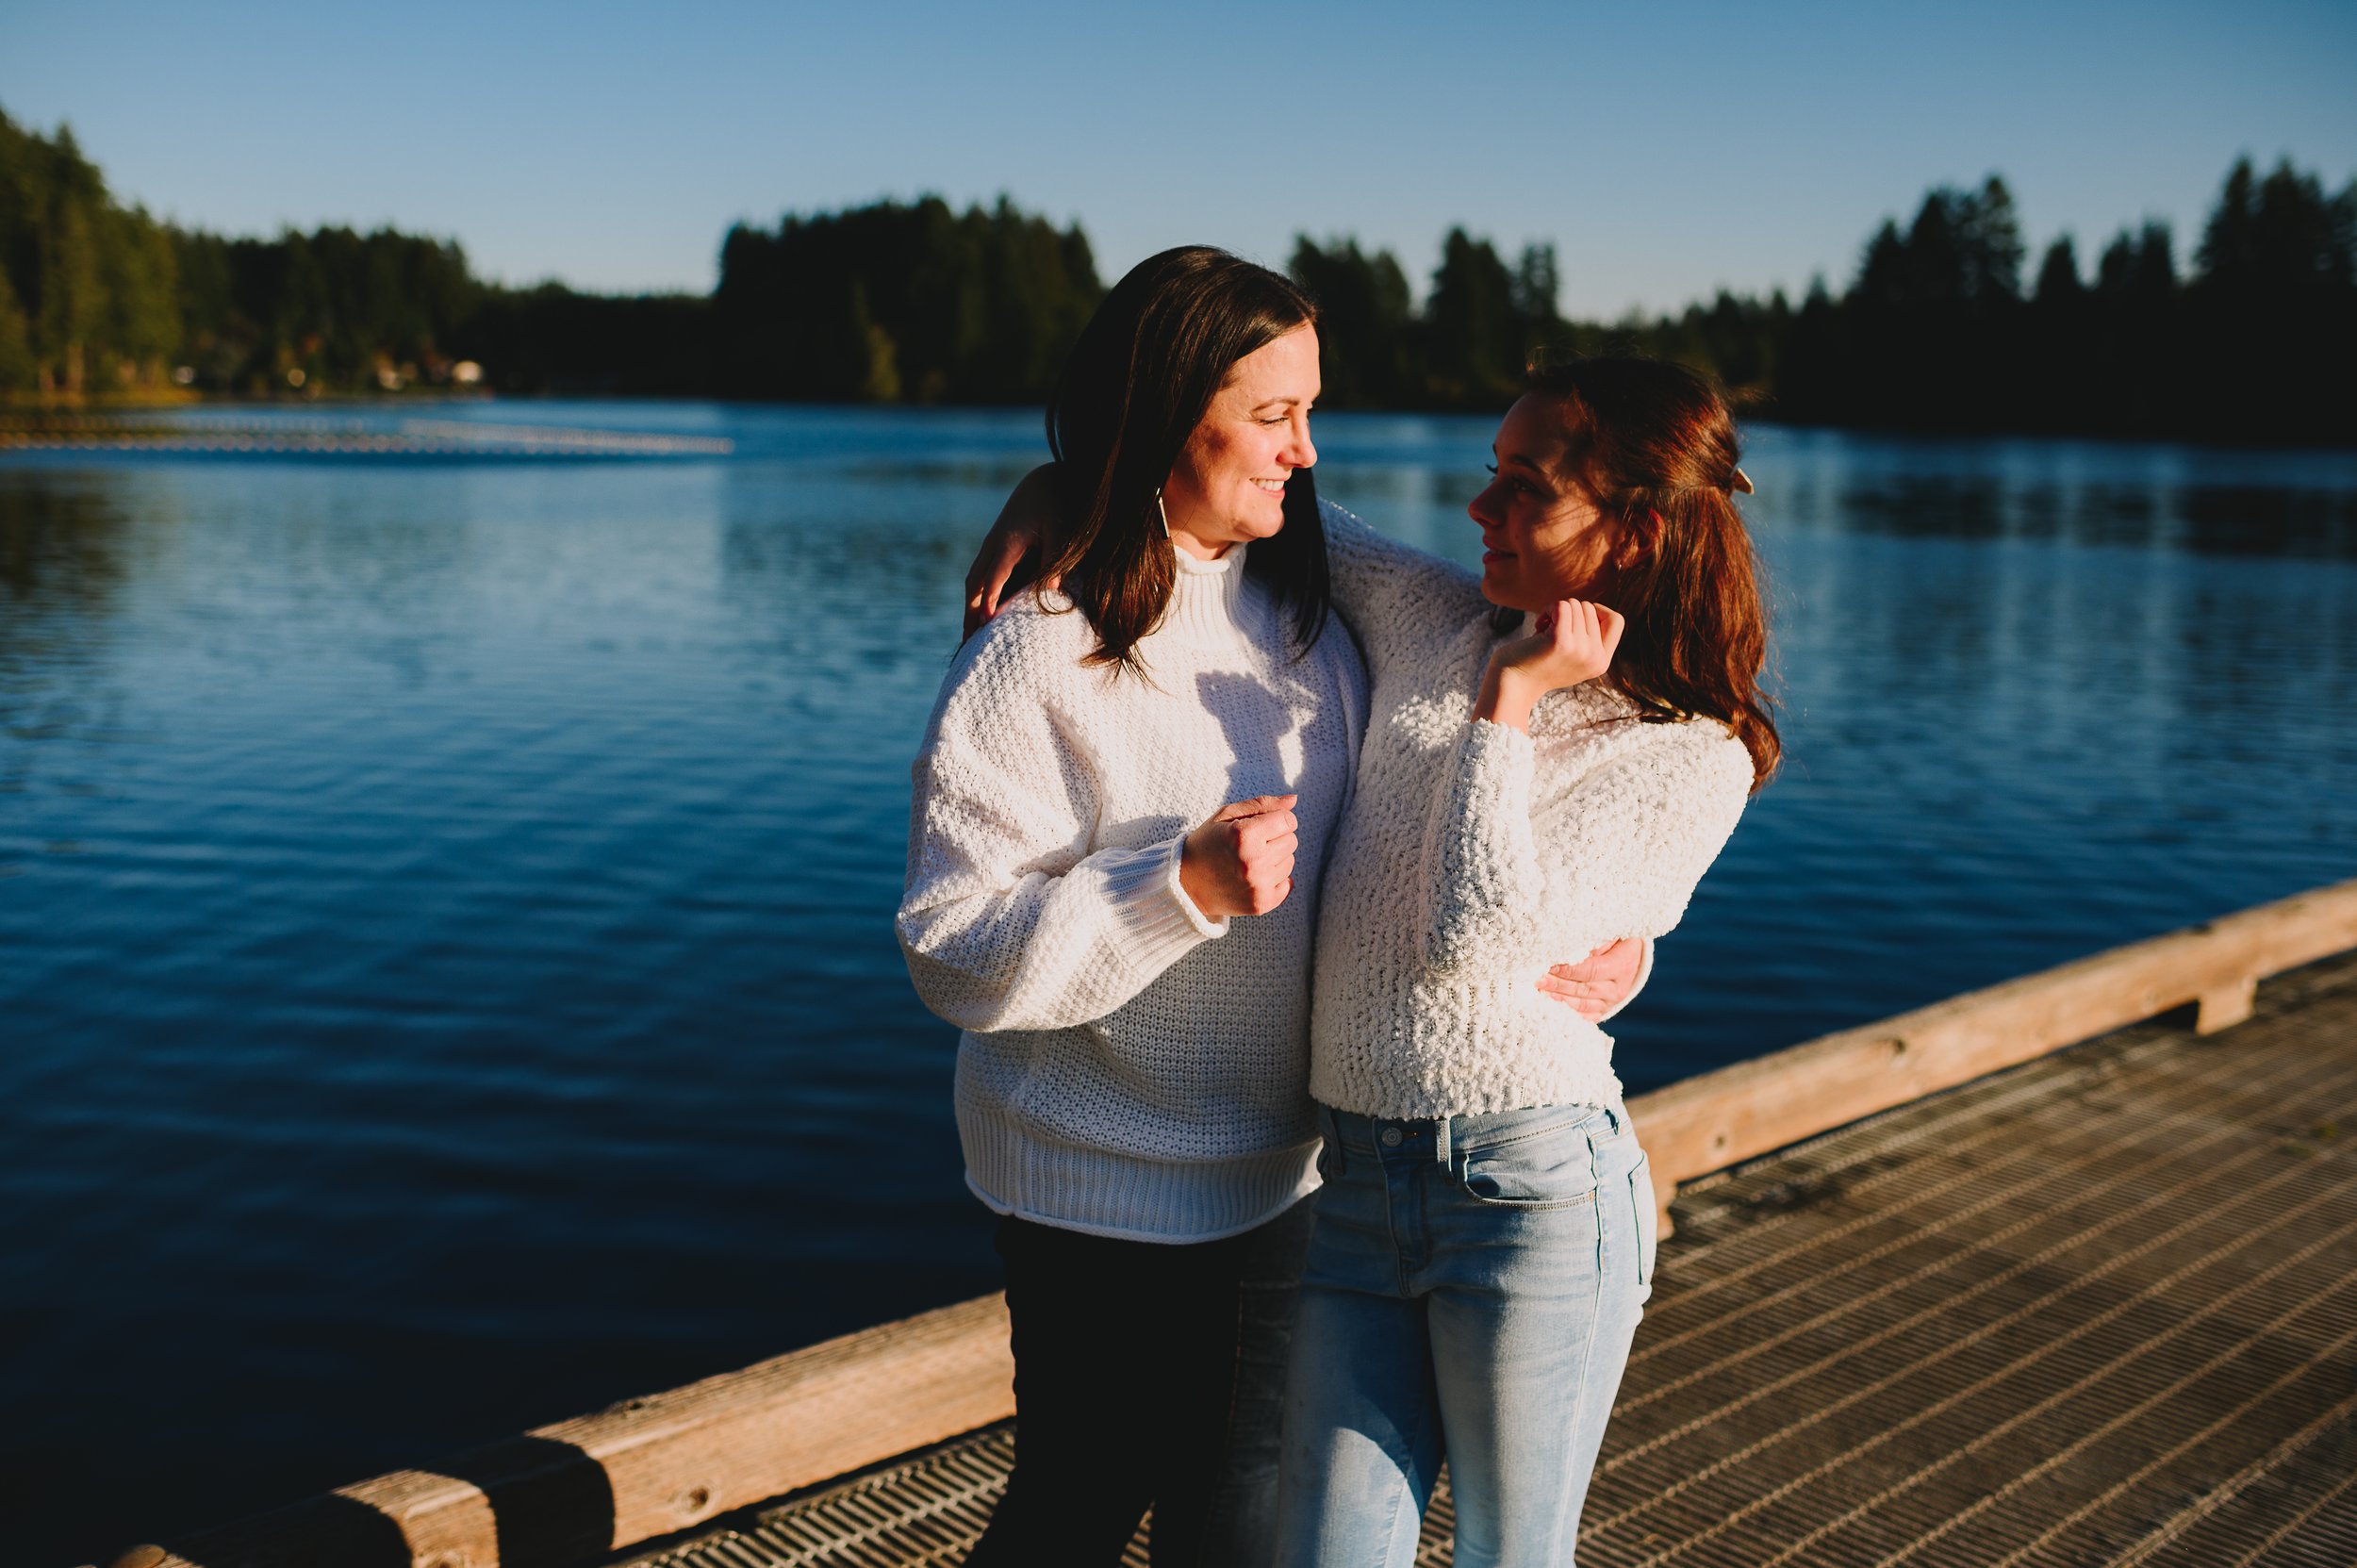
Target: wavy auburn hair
<point x="1137" y="382"/>
<point x="1654" y="446"/>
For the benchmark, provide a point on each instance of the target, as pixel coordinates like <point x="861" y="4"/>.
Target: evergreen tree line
<point x="2254" y="342"/>
<point x="886" y="303"/>
<point x="98" y="297"/>
<point x="915" y="301"/>
<point x="901" y="303"/>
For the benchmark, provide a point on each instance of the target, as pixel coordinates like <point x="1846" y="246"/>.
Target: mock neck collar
<point x="1206" y="597"/>
<point x="1195" y="565"/>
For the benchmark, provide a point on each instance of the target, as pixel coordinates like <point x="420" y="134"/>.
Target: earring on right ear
<point x="1741" y="483"/>
<point x="1160" y="511"/>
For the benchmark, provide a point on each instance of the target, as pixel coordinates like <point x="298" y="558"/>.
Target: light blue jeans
<point x="1470" y="1293"/>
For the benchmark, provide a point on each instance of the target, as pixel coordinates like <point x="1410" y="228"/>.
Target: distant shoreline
<point x="104" y="422"/>
<point x="1954" y="323"/>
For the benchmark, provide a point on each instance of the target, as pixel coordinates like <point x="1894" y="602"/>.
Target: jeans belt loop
<point x="1440" y="1149"/>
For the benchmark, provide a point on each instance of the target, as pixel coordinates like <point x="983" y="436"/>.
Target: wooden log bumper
<point x="574" y="1492"/>
<point x="1720" y="1118"/>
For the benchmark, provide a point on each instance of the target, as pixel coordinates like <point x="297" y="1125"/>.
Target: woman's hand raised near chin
<point x="1570" y="642"/>
<point x="1241" y="862"/>
<point x="1026" y="526"/>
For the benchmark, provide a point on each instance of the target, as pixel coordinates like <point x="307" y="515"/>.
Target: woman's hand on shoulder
<point x="1570" y="642"/>
<point x="1015" y="547"/>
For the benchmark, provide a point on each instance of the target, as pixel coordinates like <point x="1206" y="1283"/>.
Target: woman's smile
<point x="1259" y="417"/>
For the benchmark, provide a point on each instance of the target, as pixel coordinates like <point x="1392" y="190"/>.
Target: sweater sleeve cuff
<point x="1500" y="745"/>
<point x="1644" y="973"/>
<point x="1155" y="922"/>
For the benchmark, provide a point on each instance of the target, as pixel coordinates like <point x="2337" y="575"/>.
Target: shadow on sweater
<point x="1250" y="714"/>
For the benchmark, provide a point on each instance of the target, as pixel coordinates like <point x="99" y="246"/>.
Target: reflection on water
<point x="2208" y="503"/>
<point x="2225" y="519"/>
<point x="444" y="958"/>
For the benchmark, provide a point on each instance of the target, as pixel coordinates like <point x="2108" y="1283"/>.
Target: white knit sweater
<point x="1129" y="1068"/>
<point x="1474" y="855"/>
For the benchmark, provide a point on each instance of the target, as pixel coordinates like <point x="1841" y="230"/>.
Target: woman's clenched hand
<point x="1241" y="862"/>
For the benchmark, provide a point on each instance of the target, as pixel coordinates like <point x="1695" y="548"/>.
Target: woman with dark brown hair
<point x="1120" y="813"/>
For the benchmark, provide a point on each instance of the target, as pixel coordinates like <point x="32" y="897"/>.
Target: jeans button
<point x="1391" y="1137"/>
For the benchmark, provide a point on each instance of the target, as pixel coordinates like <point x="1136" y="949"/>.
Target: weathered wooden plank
<point x="677" y="1458"/>
<point x="577" y="1490"/>
<point x="1707" y="1123"/>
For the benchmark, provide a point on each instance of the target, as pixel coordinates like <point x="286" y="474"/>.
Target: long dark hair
<point x="1654" y="446"/>
<point x="1137" y="384"/>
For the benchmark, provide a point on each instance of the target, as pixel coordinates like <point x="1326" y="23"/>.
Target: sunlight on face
<point x="1542" y="539"/>
<point x="1228" y="485"/>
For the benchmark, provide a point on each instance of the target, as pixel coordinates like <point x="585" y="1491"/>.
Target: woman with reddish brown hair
<point x="1554" y="754"/>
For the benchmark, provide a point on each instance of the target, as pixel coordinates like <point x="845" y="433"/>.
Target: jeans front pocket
<point x="1555" y="1168"/>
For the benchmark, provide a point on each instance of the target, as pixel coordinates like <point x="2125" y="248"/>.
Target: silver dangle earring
<point x="1160" y="511"/>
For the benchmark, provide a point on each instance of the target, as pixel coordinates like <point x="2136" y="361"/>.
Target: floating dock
<point x="2059" y="1288"/>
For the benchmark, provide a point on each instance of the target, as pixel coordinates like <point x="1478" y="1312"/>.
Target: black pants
<point x="1125" y="1373"/>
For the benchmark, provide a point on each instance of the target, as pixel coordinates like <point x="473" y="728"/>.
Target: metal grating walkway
<point x="2098" y="1310"/>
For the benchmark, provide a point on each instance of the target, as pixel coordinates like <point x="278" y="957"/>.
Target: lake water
<point x="446" y="979"/>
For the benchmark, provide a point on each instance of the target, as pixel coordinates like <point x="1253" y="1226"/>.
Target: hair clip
<point x="1741" y="482"/>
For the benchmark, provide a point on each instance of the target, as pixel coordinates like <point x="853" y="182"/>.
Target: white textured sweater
<point x="1129" y="1068"/>
<point x="1474" y="855"/>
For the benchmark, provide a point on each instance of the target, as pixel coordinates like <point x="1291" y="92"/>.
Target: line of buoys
<point x="428" y="437"/>
<point x="569" y="435"/>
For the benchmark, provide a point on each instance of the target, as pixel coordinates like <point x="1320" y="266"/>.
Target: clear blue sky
<point x="1665" y="150"/>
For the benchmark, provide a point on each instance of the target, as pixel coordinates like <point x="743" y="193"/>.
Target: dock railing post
<point x="2226" y="1006"/>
